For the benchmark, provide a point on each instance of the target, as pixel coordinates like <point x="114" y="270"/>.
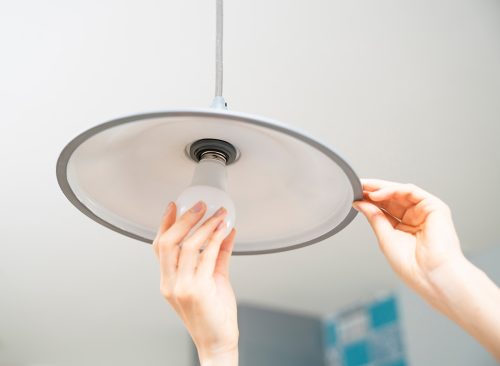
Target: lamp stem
<point x="218" y="102"/>
<point x="218" y="50"/>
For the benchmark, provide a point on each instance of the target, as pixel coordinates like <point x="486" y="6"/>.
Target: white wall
<point x="433" y="340"/>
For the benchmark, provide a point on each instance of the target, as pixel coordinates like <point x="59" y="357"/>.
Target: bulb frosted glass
<point x="209" y="184"/>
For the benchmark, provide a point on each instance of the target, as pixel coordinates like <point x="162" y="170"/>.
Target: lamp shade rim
<point x="69" y="149"/>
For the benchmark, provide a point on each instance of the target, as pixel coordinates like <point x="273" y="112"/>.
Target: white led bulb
<point x="209" y="184"/>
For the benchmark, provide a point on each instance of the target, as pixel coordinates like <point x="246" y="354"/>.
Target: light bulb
<point x="209" y="184"/>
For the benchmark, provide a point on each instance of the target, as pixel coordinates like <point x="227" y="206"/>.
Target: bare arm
<point x="197" y="284"/>
<point x="415" y="232"/>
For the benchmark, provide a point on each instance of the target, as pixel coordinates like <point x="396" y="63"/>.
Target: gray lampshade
<point x="289" y="189"/>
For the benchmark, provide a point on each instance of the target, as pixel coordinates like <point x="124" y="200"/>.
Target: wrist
<point x="449" y="274"/>
<point x="434" y="284"/>
<point x="452" y="283"/>
<point x="221" y="358"/>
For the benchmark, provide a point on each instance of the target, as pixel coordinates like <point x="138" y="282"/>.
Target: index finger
<point x="375" y="184"/>
<point x="169" y="240"/>
<point x="401" y="192"/>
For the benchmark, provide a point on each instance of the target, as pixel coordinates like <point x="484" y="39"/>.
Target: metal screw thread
<point x="213" y="155"/>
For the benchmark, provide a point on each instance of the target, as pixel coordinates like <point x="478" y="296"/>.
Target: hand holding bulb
<point x="197" y="284"/>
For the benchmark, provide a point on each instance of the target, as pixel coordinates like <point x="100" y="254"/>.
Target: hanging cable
<point x="218" y="50"/>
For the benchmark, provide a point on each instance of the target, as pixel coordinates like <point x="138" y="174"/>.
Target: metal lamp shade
<point x="289" y="189"/>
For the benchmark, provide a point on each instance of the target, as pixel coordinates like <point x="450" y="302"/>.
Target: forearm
<point x="467" y="296"/>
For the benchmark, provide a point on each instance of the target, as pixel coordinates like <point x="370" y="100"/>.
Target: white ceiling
<point x="405" y="90"/>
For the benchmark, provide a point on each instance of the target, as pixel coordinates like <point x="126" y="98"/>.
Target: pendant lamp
<point x="283" y="189"/>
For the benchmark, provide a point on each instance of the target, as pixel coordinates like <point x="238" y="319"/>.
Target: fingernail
<point x="220" y="211"/>
<point x="169" y="206"/>
<point x="355" y="205"/>
<point x="198" y="206"/>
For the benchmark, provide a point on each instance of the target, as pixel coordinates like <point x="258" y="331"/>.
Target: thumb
<point x="168" y="219"/>
<point x="377" y="219"/>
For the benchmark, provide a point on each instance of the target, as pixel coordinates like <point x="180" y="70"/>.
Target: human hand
<point x="414" y="229"/>
<point x="416" y="234"/>
<point x="197" y="284"/>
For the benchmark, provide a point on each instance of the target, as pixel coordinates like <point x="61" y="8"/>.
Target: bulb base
<point x="224" y="149"/>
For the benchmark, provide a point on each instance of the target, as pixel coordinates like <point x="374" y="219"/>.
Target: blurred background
<point x="405" y="90"/>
